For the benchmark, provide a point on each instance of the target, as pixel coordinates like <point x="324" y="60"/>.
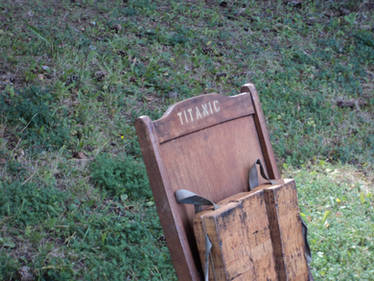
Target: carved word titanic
<point x="201" y="111"/>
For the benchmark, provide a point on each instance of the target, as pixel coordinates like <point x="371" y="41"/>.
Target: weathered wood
<point x="240" y="233"/>
<point x="286" y="232"/>
<point x="256" y="236"/>
<point x="210" y="156"/>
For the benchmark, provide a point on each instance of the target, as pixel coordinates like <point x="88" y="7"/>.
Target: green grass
<point x="74" y="75"/>
<point x="338" y="208"/>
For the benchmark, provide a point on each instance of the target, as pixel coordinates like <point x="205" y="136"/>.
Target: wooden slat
<point x="286" y="232"/>
<point x="263" y="133"/>
<point x="200" y="112"/>
<point x="170" y="220"/>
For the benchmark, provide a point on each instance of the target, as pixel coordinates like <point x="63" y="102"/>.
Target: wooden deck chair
<point x="205" y="144"/>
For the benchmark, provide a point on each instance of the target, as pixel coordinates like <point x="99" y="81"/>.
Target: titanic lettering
<point x="198" y="112"/>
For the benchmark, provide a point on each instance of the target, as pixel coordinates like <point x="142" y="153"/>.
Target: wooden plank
<point x="201" y="112"/>
<point x="171" y="223"/>
<point x="214" y="162"/>
<point x="263" y="133"/>
<point x="286" y="231"/>
<point x="240" y="233"/>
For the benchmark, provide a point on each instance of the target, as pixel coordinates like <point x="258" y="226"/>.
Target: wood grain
<point x="240" y="234"/>
<point x="286" y="232"/>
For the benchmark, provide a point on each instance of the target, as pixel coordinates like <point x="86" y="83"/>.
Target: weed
<point x="120" y="176"/>
<point x="50" y="43"/>
<point x="8" y="267"/>
<point x="34" y="118"/>
<point x="337" y="210"/>
<point x="28" y="203"/>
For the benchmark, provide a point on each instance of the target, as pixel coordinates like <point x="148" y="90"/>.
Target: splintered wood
<point x="255" y="235"/>
<point x="286" y="231"/>
<point x="240" y="234"/>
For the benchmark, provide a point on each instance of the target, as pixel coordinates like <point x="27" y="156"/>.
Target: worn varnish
<point x="205" y="144"/>
<point x="240" y="233"/>
<point x="286" y="232"/>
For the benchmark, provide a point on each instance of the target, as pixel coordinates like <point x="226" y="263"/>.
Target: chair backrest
<point x="205" y="144"/>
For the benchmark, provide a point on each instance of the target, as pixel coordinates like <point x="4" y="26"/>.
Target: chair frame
<point x="190" y="139"/>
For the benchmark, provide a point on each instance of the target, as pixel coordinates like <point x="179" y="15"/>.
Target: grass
<point x="74" y="75"/>
<point x="337" y="205"/>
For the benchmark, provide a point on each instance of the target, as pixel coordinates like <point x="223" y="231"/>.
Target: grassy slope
<point x="74" y="201"/>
